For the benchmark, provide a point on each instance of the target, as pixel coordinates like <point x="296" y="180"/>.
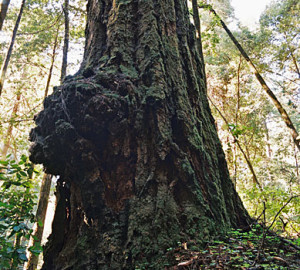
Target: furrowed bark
<point x="132" y="138"/>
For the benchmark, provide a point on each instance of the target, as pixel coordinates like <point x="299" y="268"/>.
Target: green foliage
<point x="17" y="201"/>
<point x="274" y="198"/>
<point x="22" y="97"/>
<point x="279" y="36"/>
<point x="238" y="130"/>
<point x="253" y="120"/>
<point x="24" y="90"/>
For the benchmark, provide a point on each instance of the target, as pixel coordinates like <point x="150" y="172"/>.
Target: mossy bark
<point x="133" y="140"/>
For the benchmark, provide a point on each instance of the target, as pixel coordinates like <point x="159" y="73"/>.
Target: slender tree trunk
<point x="238" y="92"/>
<point x="66" y="42"/>
<point x="297" y="164"/>
<point x="10" y="49"/>
<point x="268" y="145"/>
<point x="17" y="244"/>
<point x="3" y="11"/>
<point x="8" y="135"/>
<point x="44" y="190"/>
<point x="235" y="172"/>
<point x="294" y="59"/>
<point x="285" y="117"/>
<point x="237" y="110"/>
<point x="40" y="221"/>
<point x="268" y="151"/>
<point x="134" y="143"/>
<point x="52" y="63"/>
<point x="295" y="63"/>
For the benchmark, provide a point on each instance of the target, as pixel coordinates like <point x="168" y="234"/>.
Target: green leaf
<point x="9" y="250"/>
<point x="40" y="223"/>
<point x="36" y="251"/>
<point x="6" y="185"/>
<point x="21" y="250"/>
<point x="2" y="176"/>
<point x="16" y="228"/>
<point x="24" y="158"/>
<point x="23" y="173"/>
<point x="23" y="257"/>
<point x="4" y="227"/>
<point x="3" y="204"/>
<point x="4" y="162"/>
<point x="15" y="166"/>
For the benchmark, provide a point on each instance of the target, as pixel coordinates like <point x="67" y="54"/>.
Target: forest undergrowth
<point x="256" y="249"/>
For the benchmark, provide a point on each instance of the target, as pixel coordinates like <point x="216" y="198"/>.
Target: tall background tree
<point x="66" y="41"/>
<point x="10" y="48"/>
<point x="3" y="11"/>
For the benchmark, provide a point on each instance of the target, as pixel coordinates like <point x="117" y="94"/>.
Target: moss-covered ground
<point x="246" y="250"/>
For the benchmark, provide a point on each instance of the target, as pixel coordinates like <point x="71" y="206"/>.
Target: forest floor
<point x="252" y="250"/>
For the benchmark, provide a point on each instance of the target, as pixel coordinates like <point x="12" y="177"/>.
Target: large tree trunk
<point x="133" y="140"/>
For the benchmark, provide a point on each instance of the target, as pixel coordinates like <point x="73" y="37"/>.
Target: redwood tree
<point x="133" y="141"/>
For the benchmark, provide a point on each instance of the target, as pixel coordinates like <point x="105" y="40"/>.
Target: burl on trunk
<point x="133" y="141"/>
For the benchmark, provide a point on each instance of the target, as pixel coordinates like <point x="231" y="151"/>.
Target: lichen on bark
<point x="133" y="140"/>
